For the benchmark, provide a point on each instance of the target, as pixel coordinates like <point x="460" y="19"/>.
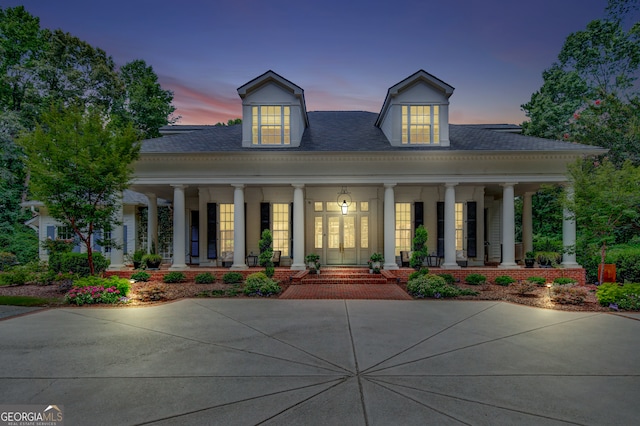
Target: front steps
<point x="351" y="275"/>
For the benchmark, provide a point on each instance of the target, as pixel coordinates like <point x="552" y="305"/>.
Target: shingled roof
<point x="355" y="131"/>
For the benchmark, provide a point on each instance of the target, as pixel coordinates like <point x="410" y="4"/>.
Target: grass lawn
<point x="27" y="301"/>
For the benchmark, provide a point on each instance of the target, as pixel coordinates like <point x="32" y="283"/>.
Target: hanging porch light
<point x="344" y="195"/>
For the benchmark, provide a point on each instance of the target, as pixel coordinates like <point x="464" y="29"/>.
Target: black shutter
<point x="265" y="222"/>
<point x="472" y="229"/>
<point x="195" y="233"/>
<point x="418" y="214"/>
<point x="440" y="233"/>
<point x="212" y="231"/>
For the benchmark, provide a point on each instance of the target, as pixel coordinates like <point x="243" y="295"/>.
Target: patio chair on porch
<point x="275" y="258"/>
<point x="226" y="258"/>
<point x="461" y="258"/>
<point x="405" y="258"/>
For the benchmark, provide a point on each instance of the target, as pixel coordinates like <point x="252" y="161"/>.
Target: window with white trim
<point x="281" y="228"/>
<point x="226" y="227"/>
<point x="459" y="220"/>
<point x="420" y="124"/>
<point x="403" y="227"/>
<point x="271" y="125"/>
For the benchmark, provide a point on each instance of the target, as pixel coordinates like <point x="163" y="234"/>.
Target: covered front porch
<point x="216" y="225"/>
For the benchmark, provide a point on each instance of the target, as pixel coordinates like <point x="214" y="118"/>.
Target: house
<point x="346" y="184"/>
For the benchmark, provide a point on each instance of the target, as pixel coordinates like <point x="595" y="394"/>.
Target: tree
<point x="143" y="102"/>
<point x="600" y="61"/>
<point x="80" y="164"/>
<point x="230" y="122"/>
<point x="266" y="252"/>
<point x="605" y="199"/>
<point x="610" y="122"/>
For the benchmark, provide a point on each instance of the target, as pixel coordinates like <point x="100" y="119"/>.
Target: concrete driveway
<point x="330" y="362"/>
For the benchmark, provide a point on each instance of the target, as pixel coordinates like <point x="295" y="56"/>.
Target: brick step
<point x="331" y="281"/>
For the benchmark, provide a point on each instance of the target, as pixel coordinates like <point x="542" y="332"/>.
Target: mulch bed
<point x="150" y="293"/>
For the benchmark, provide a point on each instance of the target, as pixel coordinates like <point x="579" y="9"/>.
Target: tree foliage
<point x="143" y="101"/>
<point x="79" y="167"/>
<point x="606" y="199"/>
<point x="40" y="67"/>
<point x="599" y="62"/>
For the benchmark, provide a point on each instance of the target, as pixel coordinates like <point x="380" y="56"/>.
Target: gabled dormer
<point x="273" y="112"/>
<point x="416" y="112"/>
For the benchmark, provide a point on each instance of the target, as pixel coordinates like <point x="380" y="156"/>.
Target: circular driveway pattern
<point x="333" y="362"/>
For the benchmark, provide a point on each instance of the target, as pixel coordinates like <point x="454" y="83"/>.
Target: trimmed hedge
<point x="77" y="263"/>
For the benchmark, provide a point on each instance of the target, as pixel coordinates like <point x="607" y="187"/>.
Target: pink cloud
<point x="197" y="106"/>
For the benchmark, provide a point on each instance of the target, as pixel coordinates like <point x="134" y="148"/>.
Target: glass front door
<point x="341" y="240"/>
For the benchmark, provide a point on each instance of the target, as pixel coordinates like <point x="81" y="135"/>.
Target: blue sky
<point x="345" y="54"/>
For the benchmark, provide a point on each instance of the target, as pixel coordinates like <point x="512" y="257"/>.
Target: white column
<point x="508" y="227"/>
<point x="239" y="261"/>
<point x="450" y="227"/>
<point x="298" y="228"/>
<point x="389" y="227"/>
<point x="527" y="222"/>
<point x="117" y="234"/>
<point x="569" y="234"/>
<point x="152" y="223"/>
<point x="179" y="227"/>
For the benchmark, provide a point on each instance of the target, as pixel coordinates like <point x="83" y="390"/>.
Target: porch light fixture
<point x="344" y="195"/>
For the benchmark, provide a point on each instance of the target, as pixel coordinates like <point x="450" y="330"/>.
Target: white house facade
<point x="293" y="171"/>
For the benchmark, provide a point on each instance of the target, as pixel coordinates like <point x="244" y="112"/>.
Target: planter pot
<point x="528" y="263"/>
<point x="375" y="265"/>
<point x="136" y="265"/>
<point x="153" y="265"/>
<point x="609" y="275"/>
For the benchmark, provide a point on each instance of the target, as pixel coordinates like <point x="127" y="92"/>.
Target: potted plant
<point x="547" y="259"/>
<point x="529" y="259"/>
<point x="376" y="262"/>
<point x="152" y="260"/>
<point x="313" y="262"/>
<point x="136" y="258"/>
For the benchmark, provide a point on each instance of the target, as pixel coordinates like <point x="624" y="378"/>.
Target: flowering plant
<point x="93" y="294"/>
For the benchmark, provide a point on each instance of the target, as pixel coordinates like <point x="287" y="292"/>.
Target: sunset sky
<point x="345" y="54"/>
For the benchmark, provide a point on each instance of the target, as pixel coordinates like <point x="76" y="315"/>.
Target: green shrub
<point x="205" y="278"/>
<point x="537" y="280"/>
<point x="121" y="284"/>
<point x="450" y="279"/>
<point x="627" y="260"/>
<point x="434" y="286"/>
<point x="418" y="273"/>
<point x="230" y="292"/>
<point x="258" y="284"/>
<point x="18" y="275"/>
<point x="504" y="280"/>
<point x="7" y="260"/>
<point x="141" y="276"/>
<point x="564" y="280"/>
<point x="77" y="263"/>
<point x="232" y="277"/>
<point x="625" y="296"/>
<point x="568" y="294"/>
<point x="475" y="279"/>
<point x="174" y="277"/>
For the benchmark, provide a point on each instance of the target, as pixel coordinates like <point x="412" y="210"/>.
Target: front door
<point x="341" y="240"/>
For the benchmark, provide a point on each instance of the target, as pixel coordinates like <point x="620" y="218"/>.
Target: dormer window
<point x="271" y="125"/>
<point x="420" y="124"/>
